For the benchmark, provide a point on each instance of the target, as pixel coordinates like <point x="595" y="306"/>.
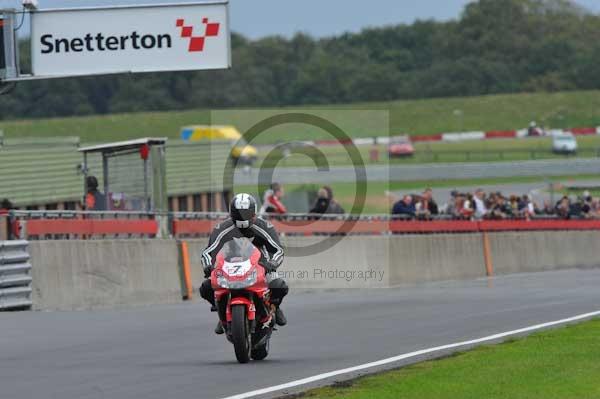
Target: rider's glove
<point x="269" y="266"/>
<point x="207" y="271"/>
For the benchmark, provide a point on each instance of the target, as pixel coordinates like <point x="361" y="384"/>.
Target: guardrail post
<point x="15" y="277"/>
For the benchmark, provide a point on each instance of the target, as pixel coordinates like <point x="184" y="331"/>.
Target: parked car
<point x="564" y="143"/>
<point x="400" y="146"/>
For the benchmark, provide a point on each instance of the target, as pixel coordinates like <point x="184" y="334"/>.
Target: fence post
<point x="163" y="226"/>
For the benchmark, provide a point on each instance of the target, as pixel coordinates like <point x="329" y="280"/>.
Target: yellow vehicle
<point x="241" y="151"/>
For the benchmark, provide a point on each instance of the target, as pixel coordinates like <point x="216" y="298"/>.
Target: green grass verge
<point x="377" y="202"/>
<point x="511" y="111"/>
<point x="557" y="364"/>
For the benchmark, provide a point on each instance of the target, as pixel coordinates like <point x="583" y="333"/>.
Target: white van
<point x="564" y="143"/>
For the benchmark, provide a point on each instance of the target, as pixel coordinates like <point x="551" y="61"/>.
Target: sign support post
<point x="9" y="50"/>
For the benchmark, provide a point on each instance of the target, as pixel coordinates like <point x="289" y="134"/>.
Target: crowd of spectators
<point x="496" y="206"/>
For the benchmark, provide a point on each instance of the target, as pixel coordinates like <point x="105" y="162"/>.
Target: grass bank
<point x="558" y="364"/>
<point x="431" y="116"/>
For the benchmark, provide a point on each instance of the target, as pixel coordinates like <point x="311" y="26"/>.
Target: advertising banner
<point x="149" y="38"/>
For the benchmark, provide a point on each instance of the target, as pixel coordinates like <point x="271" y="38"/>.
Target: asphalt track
<point x="170" y="351"/>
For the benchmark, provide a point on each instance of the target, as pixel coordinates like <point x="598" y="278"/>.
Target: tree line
<point x="495" y="46"/>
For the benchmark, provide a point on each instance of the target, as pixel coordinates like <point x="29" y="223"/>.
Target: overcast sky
<point x="257" y="18"/>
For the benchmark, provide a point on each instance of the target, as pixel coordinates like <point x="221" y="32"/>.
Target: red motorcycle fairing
<point x="241" y="296"/>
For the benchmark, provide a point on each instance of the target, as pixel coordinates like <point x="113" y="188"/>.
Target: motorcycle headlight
<point x="250" y="280"/>
<point x="222" y="281"/>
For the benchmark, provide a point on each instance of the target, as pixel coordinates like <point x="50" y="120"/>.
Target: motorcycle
<point x="242" y="295"/>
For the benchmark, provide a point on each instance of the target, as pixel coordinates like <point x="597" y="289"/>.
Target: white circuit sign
<point x="151" y="38"/>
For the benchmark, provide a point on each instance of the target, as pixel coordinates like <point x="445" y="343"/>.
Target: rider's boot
<point x="280" y="317"/>
<point x="219" y="328"/>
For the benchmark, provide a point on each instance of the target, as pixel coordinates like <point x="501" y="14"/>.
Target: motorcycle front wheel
<point x="240" y="333"/>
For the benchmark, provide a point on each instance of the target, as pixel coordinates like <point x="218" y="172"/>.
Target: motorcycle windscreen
<point x="238" y="250"/>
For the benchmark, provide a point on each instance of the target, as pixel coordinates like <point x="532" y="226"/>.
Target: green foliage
<point x="497" y="46"/>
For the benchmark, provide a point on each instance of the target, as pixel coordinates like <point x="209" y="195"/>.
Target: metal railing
<point x="15" y="275"/>
<point x="54" y="225"/>
<point x="479" y="155"/>
<point x="84" y="224"/>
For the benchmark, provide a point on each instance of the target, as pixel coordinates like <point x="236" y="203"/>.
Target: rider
<point x="244" y="223"/>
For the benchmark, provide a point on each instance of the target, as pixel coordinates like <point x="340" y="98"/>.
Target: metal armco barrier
<point x="15" y="277"/>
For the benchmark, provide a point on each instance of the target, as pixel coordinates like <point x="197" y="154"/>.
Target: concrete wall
<point x="100" y="273"/>
<point x="420" y="258"/>
<point x="544" y="250"/>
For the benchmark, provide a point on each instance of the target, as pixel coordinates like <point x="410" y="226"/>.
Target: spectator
<point x="500" y="210"/>
<point x="428" y="204"/>
<point x="514" y="203"/>
<point x="468" y="209"/>
<point x="272" y="200"/>
<point x="451" y="207"/>
<point x="5" y="206"/>
<point x="94" y="199"/>
<point x="563" y="208"/>
<point x="463" y="206"/>
<point x="479" y="204"/>
<point x="322" y="202"/>
<point x="587" y="207"/>
<point x="404" y="207"/>
<point x="527" y="208"/>
<point x="548" y="208"/>
<point x="492" y="199"/>
<point x="334" y="206"/>
<point x="325" y="202"/>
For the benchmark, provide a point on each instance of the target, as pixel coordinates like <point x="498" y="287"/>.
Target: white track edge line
<point x="318" y="377"/>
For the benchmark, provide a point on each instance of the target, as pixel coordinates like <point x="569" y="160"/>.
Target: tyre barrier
<point x="15" y="276"/>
